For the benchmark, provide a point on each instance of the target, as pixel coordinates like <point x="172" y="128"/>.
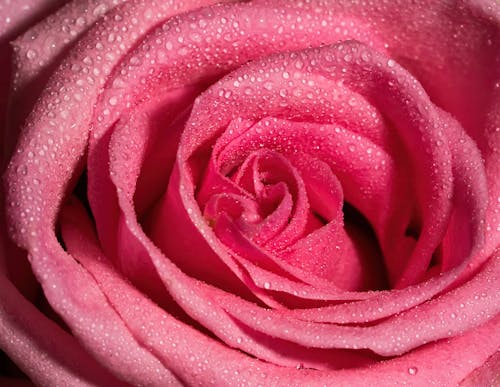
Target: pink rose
<point x="261" y="193"/>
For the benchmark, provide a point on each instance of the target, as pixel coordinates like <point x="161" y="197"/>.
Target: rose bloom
<point x="272" y="192"/>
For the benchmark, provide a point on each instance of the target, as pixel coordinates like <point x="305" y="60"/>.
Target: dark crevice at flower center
<point x="320" y="218"/>
<point x="353" y="219"/>
<point x="80" y="191"/>
<point x="8" y="369"/>
<point x="436" y="259"/>
<point x="412" y="231"/>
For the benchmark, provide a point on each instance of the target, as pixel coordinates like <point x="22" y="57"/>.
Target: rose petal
<point x="486" y="374"/>
<point x="385" y="345"/>
<point x="43" y="350"/>
<point x="173" y="51"/>
<point x="459" y="193"/>
<point x="430" y="321"/>
<point x="22" y="13"/>
<point x="39" y="50"/>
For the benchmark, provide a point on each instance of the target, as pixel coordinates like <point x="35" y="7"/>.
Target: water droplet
<point x="267" y="285"/>
<point x="391" y="63"/>
<point x="99" y="10"/>
<point x="412" y="370"/>
<point x="365" y="56"/>
<point x="80" y="21"/>
<point x="135" y="61"/>
<point x="22" y="170"/>
<point x="31" y="54"/>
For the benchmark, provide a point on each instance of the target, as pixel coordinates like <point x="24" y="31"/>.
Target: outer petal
<point x="44" y="351"/>
<point x="28" y="233"/>
<point x="320" y="335"/>
<point x="439" y="364"/>
<point x="486" y="374"/>
<point x="40" y="50"/>
<point x="180" y="58"/>
<point x="16" y="17"/>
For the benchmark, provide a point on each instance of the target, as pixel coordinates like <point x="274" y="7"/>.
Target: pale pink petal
<point x="178" y="61"/>
<point x="179" y="352"/>
<point x="41" y="348"/>
<point x="20" y="14"/>
<point x="40" y="48"/>
<point x="37" y="53"/>
<point x="415" y="175"/>
<point x="200" y="359"/>
<point x="487" y="374"/>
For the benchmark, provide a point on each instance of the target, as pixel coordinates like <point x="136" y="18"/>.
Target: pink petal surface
<point x="196" y="359"/>
<point x="73" y="296"/>
<point x="39" y="51"/>
<point x="121" y="177"/>
<point x="201" y="116"/>
<point x="179" y="61"/>
<point x="456" y="207"/>
<point x="488" y="373"/>
<point x="45" y="352"/>
<point x="18" y="15"/>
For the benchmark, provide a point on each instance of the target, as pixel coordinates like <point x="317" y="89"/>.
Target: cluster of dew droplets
<point x="209" y="42"/>
<point x="90" y="73"/>
<point x="43" y="43"/>
<point x="396" y="343"/>
<point x="56" y="131"/>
